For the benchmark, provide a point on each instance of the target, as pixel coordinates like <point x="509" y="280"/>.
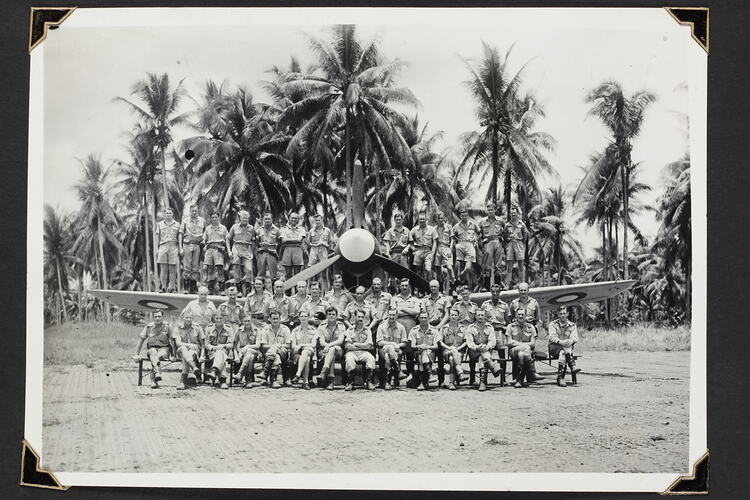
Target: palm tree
<point x="97" y="221"/>
<point x="353" y="92"/>
<point x="159" y="114"/>
<point x="623" y="116"/>
<point x="57" y="252"/>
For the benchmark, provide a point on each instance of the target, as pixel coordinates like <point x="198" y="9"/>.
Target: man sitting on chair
<point x="248" y="348"/>
<point x="276" y="339"/>
<point x="480" y="339"/>
<point x="453" y="343"/>
<point x="157" y="337"/>
<point x="563" y="335"/>
<point x="357" y="344"/>
<point x="521" y="336"/>
<point x="303" y="348"/>
<point x="219" y="344"/>
<point x="188" y="344"/>
<point x="391" y="339"/>
<point x="328" y="341"/>
<point x="423" y="340"/>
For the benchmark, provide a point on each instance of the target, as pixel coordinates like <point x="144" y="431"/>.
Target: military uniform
<point x="322" y="242"/>
<point x="291" y="244"/>
<point x="498" y="315"/>
<point x="215" y="238"/>
<point x="355" y="355"/>
<point x="388" y="354"/>
<point x="243" y="238"/>
<point x="533" y="312"/>
<point x="366" y="306"/>
<point x="562" y="339"/>
<point x="397" y="239"/>
<point x="476" y="337"/>
<point x="515" y="233"/>
<point x="202" y="313"/>
<point x="192" y="235"/>
<point x="295" y="305"/>
<point x="339" y="299"/>
<point x="303" y="353"/>
<point x="280" y="304"/>
<point x="465" y="236"/>
<point x="467" y="312"/>
<point x="422" y="240"/>
<point x="189" y="340"/>
<point x="437" y="308"/>
<point x="454" y="340"/>
<point x="255" y="306"/>
<point x="444" y="255"/>
<point x="326" y="335"/>
<point x="157" y="341"/>
<point x="249" y="352"/>
<point x="492" y="250"/>
<point x="276" y="344"/>
<point x="381" y="303"/>
<point x="411" y="302"/>
<point x="267" y="240"/>
<point x="520" y="338"/>
<point x="316" y="309"/>
<point x="219" y="346"/>
<point x="168" y="255"/>
<point x="233" y="314"/>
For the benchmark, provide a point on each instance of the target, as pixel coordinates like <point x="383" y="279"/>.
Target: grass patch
<point x="90" y="344"/>
<point x="639" y="337"/>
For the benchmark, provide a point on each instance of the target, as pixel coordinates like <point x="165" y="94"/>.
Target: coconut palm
<point x="159" y="115"/>
<point x="623" y="116"/>
<point x="57" y="253"/>
<point x="353" y="93"/>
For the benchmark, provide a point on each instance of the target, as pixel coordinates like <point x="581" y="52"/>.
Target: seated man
<point x="451" y="340"/>
<point x="391" y="339"/>
<point x="255" y="305"/>
<point x="275" y="343"/>
<point x="303" y="349"/>
<point x="247" y="345"/>
<point x="357" y="344"/>
<point x="219" y="344"/>
<point x="521" y="336"/>
<point x="157" y="337"/>
<point x="423" y="340"/>
<point x="563" y="336"/>
<point x="480" y="340"/>
<point x="315" y="305"/>
<point x="188" y="340"/>
<point x="360" y="304"/>
<point x="278" y="301"/>
<point x="328" y="341"/>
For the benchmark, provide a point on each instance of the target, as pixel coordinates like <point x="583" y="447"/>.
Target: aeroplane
<point x="357" y="255"/>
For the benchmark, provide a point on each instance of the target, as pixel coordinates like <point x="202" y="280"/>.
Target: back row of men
<point x="441" y="251"/>
<point x="278" y="331"/>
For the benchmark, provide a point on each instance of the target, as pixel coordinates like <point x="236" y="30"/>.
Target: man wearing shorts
<point x="303" y="349"/>
<point x="521" y="337"/>
<point x="247" y="345"/>
<point x="443" y="262"/>
<point x="563" y="335"/>
<point x="467" y="309"/>
<point x="267" y="239"/>
<point x="275" y="344"/>
<point x="188" y="344"/>
<point x="328" y="341"/>
<point x="423" y="340"/>
<point x="168" y="254"/>
<point x="322" y="242"/>
<point x="480" y="340"/>
<point x="242" y="238"/>
<point x="157" y="336"/>
<point x="452" y="342"/>
<point x="396" y="242"/>
<point x="515" y="231"/>
<point x="423" y="239"/>
<point x="391" y="338"/>
<point x="358" y="344"/>
<point x="465" y="234"/>
<point x="215" y="239"/>
<point x="219" y="346"/>
<point x="191" y="236"/>
<point x="293" y="239"/>
<point x="491" y="230"/>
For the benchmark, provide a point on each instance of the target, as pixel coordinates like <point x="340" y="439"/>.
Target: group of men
<point x="371" y="328"/>
<point x="448" y="253"/>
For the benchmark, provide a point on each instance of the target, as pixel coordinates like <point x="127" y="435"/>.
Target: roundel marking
<point x="570" y="297"/>
<point x="155" y="304"/>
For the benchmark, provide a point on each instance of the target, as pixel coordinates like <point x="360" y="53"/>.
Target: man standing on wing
<point x="329" y="339"/>
<point x="247" y="345"/>
<point x="491" y="230"/>
<point x="423" y="239"/>
<point x="322" y="242"/>
<point x="452" y="342"/>
<point x="423" y="340"/>
<point x="392" y="337"/>
<point x="443" y="261"/>
<point x="190" y="237"/>
<point x="293" y="239"/>
<point x="396" y="242"/>
<point x="521" y="337"/>
<point x="275" y="341"/>
<point x="465" y="234"/>
<point x="201" y="309"/>
<point x="358" y="343"/>
<point x="168" y="255"/>
<point x="480" y="340"/>
<point x="157" y="336"/>
<point x="215" y="239"/>
<point x="219" y="345"/>
<point x="516" y="232"/>
<point x="268" y="239"/>
<point x="303" y="348"/>
<point x="188" y="341"/>
<point x="242" y="238"/>
<point x="563" y="335"/>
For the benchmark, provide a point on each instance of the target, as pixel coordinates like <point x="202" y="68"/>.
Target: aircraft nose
<point x="357" y="245"/>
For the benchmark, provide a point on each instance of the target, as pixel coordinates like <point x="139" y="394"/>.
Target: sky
<point x="86" y="68"/>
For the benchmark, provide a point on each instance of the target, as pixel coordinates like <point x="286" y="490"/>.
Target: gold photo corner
<point x="698" y="20"/>
<point x="694" y="484"/>
<point x="43" y="18"/>
<point x="32" y="475"/>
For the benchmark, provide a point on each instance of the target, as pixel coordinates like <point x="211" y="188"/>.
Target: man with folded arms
<point x="357" y="344"/>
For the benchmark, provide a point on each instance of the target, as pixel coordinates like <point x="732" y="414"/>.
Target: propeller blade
<point x="400" y="271"/>
<point x="310" y="272"/>
<point x="358" y="195"/>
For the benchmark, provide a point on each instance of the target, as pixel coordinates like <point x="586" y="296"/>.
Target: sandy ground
<point x="628" y="413"/>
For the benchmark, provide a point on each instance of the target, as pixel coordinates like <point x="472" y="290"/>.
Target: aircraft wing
<point x="152" y="301"/>
<point x="565" y="295"/>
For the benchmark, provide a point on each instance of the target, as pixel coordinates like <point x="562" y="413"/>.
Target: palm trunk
<point x="625" y="218"/>
<point x="348" y="168"/>
<point x="558" y="258"/>
<point x="60" y="289"/>
<point x="154" y="250"/>
<point x="164" y="178"/>
<point x="508" y="191"/>
<point x="147" y="255"/>
<point x="495" y="167"/>
<point x="378" y="210"/>
<point x="104" y="269"/>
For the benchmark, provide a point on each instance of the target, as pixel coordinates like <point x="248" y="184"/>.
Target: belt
<point x="216" y="245"/>
<point x="296" y="244"/>
<point x="194" y="243"/>
<point x="242" y="243"/>
<point x="424" y="248"/>
<point x="173" y="242"/>
<point x="266" y="250"/>
<point x="494" y="238"/>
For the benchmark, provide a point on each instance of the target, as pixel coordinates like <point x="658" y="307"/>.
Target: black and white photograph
<point x="371" y="248"/>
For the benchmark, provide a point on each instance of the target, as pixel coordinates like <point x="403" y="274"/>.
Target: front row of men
<point x="277" y="347"/>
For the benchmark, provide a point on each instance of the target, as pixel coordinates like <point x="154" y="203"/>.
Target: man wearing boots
<point x="275" y="341"/>
<point x="157" y="336"/>
<point x="293" y="239"/>
<point x="168" y="253"/>
<point x="242" y="238"/>
<point x="443" y="262"/>
<point x="380" y="300"/>
<point x="322" y="241"/>
<point x="216" y="241"/>
<point x="497" y="313"/>
<point x="201" y="309"/>
<point x="465" y="234"/>
<point x="360" y="304"/>
<point x="521" y="336"/>
<point x="563" y="336"/>
<point x="491" y="230"/>
<point x="357" y="344"/>
<point x="452" y="342"/>
<point x="303" y="348"/>
<point x="190" y="238"/>
<point x="480" y="340"/>
<point x="391" y="338"/>
<point x="231" y="310"/>
<point x="437" y="306"/>
<point x="423" y="240"/>
<point x="247" y="345"/>
<point x="295" y="303"/>
<point x="423" y="340"/>
<point x="407" y="308"/>
<point x="328" y="341"/>
<point x="188" y="344"/>
<point x="219" y="345"/>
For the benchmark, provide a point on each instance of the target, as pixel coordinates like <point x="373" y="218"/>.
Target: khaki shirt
<point x="232" y="314"/>
<point x="366" y="306"/>
<point x="167" y="232"/>
<point x="203" y="313"/>
<point x="219" y="337"/>
<point x="246" y="336"/>
<point x="445" y="234"/>
<point x="216" y="234"/>
<point x="324" y="335"/>
<point x="267" y="239"/>
<point x="467" y="312"/>
<point x="292" y="235"/>
<point x="558" y="331"/>
<point x="423" y="239"/>
<point x="436" y="308"/>
<point x="279" y="304"/>
<point x="466" y="233"/>
<point x="279" y="337"/>
<point x="192" y="335"/>
<point x="192" y="230"/>
<point x="525" y="333"/>
<point x="397" y="239"/>
<point x="392" y="333"/>
<point x="452" y="337"/>
<point x="339" y="299"/>
<point x="242" y="235"/>
<point x="382" y="302"/>
<point x="533" y="314"/>
<point x="302" y="336"/>
<point x="295" y="305"/>
<point x="492" y="229"/>
<point x="255" y="304"/>
<point x="322" y="237"/>
<point x="358" y="336"/>
<point x="315" y="307"/>
<point x="417" y="336"/>
<point x="515" y="231"/>
<point x="496" y="314"/>
<point x="155" y="336"/>
<point x="476" y="336"/>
